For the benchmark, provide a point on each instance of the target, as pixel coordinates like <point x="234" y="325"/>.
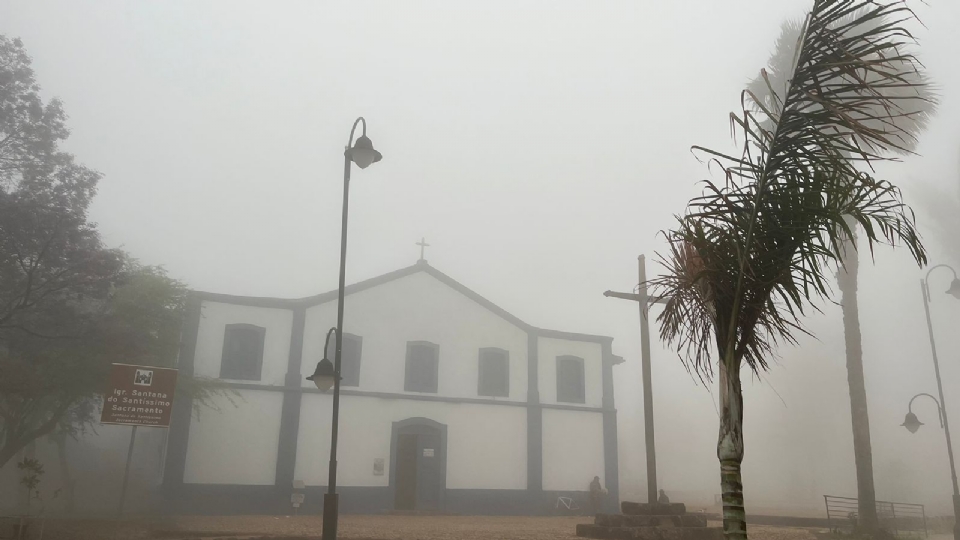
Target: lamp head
<point x="911" y="422"/>
<point x="363" y="153"/>
<point x="954" y="289"/>
<point x="324" y="376"/>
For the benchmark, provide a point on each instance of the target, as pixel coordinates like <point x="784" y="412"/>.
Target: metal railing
<point x="902" y="519"/>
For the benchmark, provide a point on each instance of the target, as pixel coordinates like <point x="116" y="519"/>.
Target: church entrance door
<point x="406" y="489"/>
<point x="420" y="467"/>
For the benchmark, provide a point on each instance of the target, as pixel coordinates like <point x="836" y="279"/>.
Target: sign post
<point x="137" y="396"/>
<point x="126" y="471"/>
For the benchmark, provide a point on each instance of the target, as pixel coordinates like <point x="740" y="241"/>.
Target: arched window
<point x="423" y="361"/>
<point x="349" y="358"/>
<point x="493" y="372"/>
<point x="242" y="357"/>
<point x="570" y="384"/>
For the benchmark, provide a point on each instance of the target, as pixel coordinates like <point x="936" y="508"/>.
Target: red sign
<point x="139" y="396"/>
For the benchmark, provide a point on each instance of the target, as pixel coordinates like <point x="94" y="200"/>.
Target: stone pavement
<point x="353" y="527"/>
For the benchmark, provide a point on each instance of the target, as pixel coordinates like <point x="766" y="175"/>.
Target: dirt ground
<point x="378" y="527"/>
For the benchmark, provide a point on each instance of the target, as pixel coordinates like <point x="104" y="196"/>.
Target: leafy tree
<point x="55" y="273"/>
<point x="750" y="255"/>
<point x="29" y="129"/>
<point x="916" y="103"/>
<point x="53" y="385"/>
<point x="69" y="307"/>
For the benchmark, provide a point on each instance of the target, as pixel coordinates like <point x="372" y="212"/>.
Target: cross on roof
<point x="423" y="245"/>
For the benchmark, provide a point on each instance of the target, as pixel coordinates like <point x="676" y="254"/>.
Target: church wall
<point x="214" y="318"/>
<point x="486" y="444"/>
<point x="237" y="444"/>
<point x="592" y="353"/>
<point x="511" y="457"/>
<point x="572" y="449"/>
<point x="418" y="307"/>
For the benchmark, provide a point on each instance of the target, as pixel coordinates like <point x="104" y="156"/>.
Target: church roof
<point x="420" y="266"/>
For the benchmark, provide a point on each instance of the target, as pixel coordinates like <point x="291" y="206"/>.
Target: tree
<point x="54" y="271"/>
<point x="53" y="384"/>
<point x="750" y="255"/>
<point x="69" y="307"/>
<point x="916" y="100"/>
<point x="29" y="129"/>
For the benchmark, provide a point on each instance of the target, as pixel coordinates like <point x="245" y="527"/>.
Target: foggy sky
<point x="539" y="147"/>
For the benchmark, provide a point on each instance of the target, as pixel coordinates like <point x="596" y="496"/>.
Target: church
<point x="449" y="404"/>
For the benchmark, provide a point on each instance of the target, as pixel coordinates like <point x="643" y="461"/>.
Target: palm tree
<point x="750" y="255"/>
<point x="914" y="98"/>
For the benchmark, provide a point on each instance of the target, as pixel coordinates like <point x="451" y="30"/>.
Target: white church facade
<point x="448" y="404"/>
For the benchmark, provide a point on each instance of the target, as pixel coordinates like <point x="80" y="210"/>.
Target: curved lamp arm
<point x="353" y="130"/>
<point x="926" y="279"/>
<point x="939" y="409"/>
<point x="326" y="343"/>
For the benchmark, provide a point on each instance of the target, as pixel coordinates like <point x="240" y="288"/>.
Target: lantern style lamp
<point x="363" y="153"/>
<point x="911" y="422"/>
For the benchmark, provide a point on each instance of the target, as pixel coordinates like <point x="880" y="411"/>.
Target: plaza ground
<point x="375" y="527"/>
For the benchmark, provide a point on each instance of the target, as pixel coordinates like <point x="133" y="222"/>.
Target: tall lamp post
<point x="327" y="374"/>
<point x="911" y="422"/>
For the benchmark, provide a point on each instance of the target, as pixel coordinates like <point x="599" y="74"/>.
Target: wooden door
<point x="406" y="473"/>
<point x="429" y="477"/>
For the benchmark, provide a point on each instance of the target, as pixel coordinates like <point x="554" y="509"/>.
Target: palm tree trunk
<point x="863" y="456"/>
<point x="730" y="451"/>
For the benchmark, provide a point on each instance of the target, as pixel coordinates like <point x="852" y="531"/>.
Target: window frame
<point x="504" y="355"/>
<point x="333" y="345"/>
<point x="227" y="329"/>
<point x="436" y="367"/>
<point x="578" y="361"/>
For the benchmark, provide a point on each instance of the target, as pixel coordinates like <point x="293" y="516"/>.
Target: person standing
<point x="596" y="494"/>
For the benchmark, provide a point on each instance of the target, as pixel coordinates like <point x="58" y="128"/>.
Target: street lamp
<point x="327" y="375"/>
<point x="911" y="422"/>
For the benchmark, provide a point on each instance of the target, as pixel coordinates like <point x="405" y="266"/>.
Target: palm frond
<point x="916" y="99"/>
<point x="749" y="255"/>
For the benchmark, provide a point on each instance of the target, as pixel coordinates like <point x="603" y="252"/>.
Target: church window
<point x="349" y="358"/>
<point x="570" y="384"/>
<point x="494" y="372"/>
<point x="421" y="367"/>
<point x="242" y="357"/>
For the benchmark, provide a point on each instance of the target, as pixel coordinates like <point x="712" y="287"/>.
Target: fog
<point x="539" y="148"/>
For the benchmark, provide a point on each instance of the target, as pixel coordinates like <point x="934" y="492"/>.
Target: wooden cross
<point x="423" y="245"/>
<point x="644" y="300"/>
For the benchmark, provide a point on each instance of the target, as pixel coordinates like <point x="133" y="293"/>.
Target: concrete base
<point x="653" y="509"/>
<point x="643" y="521"/>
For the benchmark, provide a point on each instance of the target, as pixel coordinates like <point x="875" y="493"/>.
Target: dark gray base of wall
<point x="196" y="499"/>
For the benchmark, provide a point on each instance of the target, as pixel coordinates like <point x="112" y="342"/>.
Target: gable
<point x="419" y="308"/>
<point x="415" y="296"/>
<point x="384" y="279"/>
